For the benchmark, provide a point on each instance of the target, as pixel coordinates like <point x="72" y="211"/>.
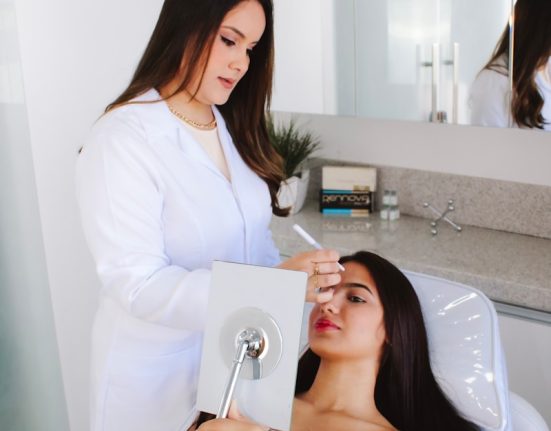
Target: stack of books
<point x="348" y="190"/>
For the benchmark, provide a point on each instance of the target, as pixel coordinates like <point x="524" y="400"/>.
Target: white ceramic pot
<point x="292" y="192"/>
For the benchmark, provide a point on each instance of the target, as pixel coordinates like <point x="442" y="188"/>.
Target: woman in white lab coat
<point x="529" y="106"/>
<point x="178" y="173"/>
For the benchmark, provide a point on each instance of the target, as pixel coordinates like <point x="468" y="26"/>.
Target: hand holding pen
<point x="308" y="238"/>
<point x="323" y="271"/>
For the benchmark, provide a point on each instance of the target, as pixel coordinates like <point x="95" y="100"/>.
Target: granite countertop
<point x="509" y="268"/>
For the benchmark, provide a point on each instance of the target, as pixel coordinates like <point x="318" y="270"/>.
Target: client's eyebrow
<point x="360" y="285"/>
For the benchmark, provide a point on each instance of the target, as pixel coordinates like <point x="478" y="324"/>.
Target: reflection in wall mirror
<point x="416" y="60"/>
<point x="411" y="60"/>
<point x="515" y="90"/>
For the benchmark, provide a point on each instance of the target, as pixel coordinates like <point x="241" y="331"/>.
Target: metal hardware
<point x="455" y="91"/>
<point x="442" y="216"/>
<point x="435" y="81"/>
<point x="253" y="339"/>
<point x="440" y="116"/>
<point x="271" y="344"/>
<point x="255" y="349"/>
<point x="435" y="116"/>
<point x="454" y="62"/>
<point x="251" y="344"/>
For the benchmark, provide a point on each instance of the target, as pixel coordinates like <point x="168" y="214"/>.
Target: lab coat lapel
<point x="193" y="149"/>
<point x="244" y="182"/>
<point x="240" y="173"/>
<point x="160" y="121"/>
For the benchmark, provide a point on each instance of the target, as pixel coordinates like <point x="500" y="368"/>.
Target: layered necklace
<point x="201" y="126"/>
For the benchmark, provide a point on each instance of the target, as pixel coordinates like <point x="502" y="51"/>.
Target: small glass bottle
<point x="384" y="214"/>
<point x="393" y="209"/>
<point x="394" y="212"/>
<point x="393" y="198"/>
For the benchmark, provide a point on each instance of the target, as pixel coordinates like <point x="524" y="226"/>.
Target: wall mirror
<point x="410" y="60"/>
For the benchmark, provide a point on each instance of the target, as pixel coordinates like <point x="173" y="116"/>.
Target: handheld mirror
<point x="251" y="342"/>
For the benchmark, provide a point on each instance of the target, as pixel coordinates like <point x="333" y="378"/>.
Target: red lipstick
<point x="325" y="325"/>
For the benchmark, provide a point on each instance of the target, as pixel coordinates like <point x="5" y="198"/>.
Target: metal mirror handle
<point x="250" y="345"/>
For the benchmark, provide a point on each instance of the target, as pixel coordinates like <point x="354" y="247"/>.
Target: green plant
<point x="294" y="145"/>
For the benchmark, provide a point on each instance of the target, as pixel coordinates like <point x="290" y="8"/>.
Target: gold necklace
<point x="201" y="126"/>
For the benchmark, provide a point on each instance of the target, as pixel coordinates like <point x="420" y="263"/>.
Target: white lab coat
<point x="156" y="212"/>
<point x="489" y="98"/>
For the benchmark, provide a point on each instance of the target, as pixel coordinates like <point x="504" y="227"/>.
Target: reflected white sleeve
<point x="489" y="101"/>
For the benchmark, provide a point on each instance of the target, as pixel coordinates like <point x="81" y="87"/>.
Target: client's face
<point x="351" y="325"/>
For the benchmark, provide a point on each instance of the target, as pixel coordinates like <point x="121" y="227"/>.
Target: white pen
<point x="308" y="238"/>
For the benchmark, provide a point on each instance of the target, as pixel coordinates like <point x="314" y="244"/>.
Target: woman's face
<point x="241" y="29"/>
<point x="351" y="325"/>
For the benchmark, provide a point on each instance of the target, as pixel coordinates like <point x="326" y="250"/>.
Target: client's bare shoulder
<point x="307" y="417"/>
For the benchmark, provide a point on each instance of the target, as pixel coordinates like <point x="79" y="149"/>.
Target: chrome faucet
<point x="442" y="216"/>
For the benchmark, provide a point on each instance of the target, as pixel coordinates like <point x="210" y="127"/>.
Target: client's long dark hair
<point x="406" y="392"/>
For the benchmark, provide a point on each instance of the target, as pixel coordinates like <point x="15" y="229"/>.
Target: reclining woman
<point x="368" y="365"/>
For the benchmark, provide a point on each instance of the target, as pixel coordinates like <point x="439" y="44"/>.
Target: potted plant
<point x="295" y="147"/>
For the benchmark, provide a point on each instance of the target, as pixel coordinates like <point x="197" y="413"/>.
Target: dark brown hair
<point x="406" y="392"/>
<point x="186" y="29"/>
<point x="532" y="49"/>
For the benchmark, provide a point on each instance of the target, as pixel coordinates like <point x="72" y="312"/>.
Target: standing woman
<point x="178" y="173"/>
<point x="530" y="104"/>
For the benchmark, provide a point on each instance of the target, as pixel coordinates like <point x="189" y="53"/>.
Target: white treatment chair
<point x="467" y="356"/>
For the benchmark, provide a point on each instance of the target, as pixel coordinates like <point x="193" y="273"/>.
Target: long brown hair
<point x="406" y="392"/>
<point x="532" y="49"/>
<point x="186" y="29"/>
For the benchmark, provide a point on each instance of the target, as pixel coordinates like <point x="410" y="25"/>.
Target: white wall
<point x="299" y="63"/>
<point x="76" y="57"/>
<point x="31" y="390"/>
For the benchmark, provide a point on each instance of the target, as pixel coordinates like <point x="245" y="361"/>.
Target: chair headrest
<point x="465" y="348"/>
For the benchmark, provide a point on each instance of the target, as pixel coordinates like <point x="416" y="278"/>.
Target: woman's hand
<point x="323" y="272"/>
<point x="235" y="422"/>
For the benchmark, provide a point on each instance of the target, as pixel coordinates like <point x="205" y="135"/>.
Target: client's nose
<point x="330" y="307"/>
